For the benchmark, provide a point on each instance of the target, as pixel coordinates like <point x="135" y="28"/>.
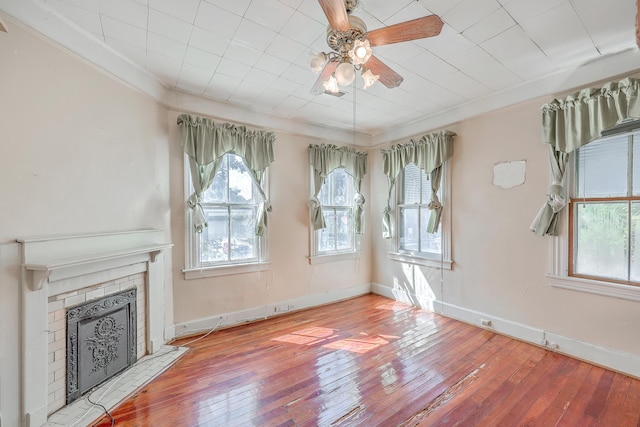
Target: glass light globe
<point x="317" y="62"/>
<point x="345" y="73"/>
<point x="369" y="78"/>
<point x="361" y="52"/>
<point x="331" y="85"/>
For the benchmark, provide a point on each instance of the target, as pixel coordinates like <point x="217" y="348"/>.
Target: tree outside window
<point x="605" y="211"/>
<point x="413" y="213"/>
<point x="230" y="205"/>
<point x="337" y="200"/>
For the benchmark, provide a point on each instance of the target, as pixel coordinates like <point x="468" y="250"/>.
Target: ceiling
<point x="250" y="58"/>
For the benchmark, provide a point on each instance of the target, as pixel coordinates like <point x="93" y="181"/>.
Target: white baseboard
<point x="613" y="359"/>
<point x="169" y="334"/>
<point x="225" y="320"/>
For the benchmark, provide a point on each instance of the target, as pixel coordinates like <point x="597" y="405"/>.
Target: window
<point x="337" y="200"/>
<point x="413" y="242"/>
<point x="413" y="214"/>
<point x="230" y="206"/>
<point x="604" y="211"/>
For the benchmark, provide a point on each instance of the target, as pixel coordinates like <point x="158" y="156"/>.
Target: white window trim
<point x="558" y="274"/>
<point x="225" y="270"/>
<point x="316" y="257"/>
<point x="334" y="257"/>
<point x="433" y="260"/>
<point x="217" y="270"/>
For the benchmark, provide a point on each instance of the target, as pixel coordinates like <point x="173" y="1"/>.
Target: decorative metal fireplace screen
<point x="101" y="341"/>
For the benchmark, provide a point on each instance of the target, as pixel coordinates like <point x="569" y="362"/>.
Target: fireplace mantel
<point x="47" y="269"/>
<point x="61" y="264"/>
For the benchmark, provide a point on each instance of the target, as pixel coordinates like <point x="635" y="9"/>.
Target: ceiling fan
<point x="350" y="45"/>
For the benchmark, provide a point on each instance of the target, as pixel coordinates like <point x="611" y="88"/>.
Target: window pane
<point x="411" y="180"/>
<point x="338" y="189"/>
<point x="409" y="229"/>
<point x="344" y="230"/>
<point x="601" y="243"/>
<point x="635" y="241"/>
<point x="240" y="183"/>
<point x="326" y="236"/>
<point x="426" y="187"/>
<point x="243" y="240"/>
<point x="429" y="242"/>
<point x="217" y="192"/>
<point x="336" y="197"/>
<point x="214" y="238"/>
<point x="602" y="168"/>
<point x="325" y="192"/>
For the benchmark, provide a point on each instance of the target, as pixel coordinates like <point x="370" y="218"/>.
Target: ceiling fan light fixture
<point x="361" y="52"/>
<point x="317" y="62"/>
<point x="369" y="78"/>
<point x="345" y="73"/>
<point x="331" y="85"/>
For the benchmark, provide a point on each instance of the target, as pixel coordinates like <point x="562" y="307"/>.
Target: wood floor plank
<point x="371" y="361"/>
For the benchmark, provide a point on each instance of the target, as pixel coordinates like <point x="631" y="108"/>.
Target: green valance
<point x="573" y="122"/>
<point x="206" y="142"/>
<point x="324" y="159"/>
<point x="580" y="118"/>
<point x="428" y="153"/>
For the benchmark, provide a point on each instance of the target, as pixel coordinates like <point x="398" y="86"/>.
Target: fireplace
<point x="61" y="273"/>
<point x="101" y="341"/>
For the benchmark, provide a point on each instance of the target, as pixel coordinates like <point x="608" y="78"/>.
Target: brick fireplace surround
<point x="82" y="267"/>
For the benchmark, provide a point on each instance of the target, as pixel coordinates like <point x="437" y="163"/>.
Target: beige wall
<point x="79" y="153"/>
<point x="499" y="265"/>
<point x="290" y="276"/>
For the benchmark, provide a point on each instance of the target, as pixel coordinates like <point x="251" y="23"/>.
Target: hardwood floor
<point x="374" y="362"/>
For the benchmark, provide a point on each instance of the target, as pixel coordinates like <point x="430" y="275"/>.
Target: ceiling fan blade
<point x="427" y="26"/>
<point x="328" y="69"/>
<point x="336" y="14"/>
<point x="388" y="77"/>
<point x="638" y="22"/>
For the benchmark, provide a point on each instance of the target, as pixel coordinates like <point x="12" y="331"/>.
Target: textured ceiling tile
<point x="184" y="10"/>
<point x="125" y="11"/>
<point x="161" y="23"/>
<point x="217" y="20"/>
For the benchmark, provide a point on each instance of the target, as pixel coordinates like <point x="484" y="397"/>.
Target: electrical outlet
<point x="281" y="308"/>
<point x="485" y="322"/>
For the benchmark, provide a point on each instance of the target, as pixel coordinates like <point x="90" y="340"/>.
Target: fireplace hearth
<point x="101" y="341"/>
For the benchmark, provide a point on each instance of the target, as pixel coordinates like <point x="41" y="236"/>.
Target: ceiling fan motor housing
<point x="342" y="41"/>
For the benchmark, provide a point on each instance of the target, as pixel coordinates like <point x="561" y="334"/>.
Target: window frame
<point x="321" y="257"/>
<point x="560" y="274"/>
<point x="442" y="260"/>
<point x="193" y="268"/>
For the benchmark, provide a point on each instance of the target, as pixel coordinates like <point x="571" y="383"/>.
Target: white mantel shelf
<point x="43" y="269"/>
<point x="55" y="258"/>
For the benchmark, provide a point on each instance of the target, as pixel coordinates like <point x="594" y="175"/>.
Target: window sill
<point x="597" y="287"/>
<point x="323" y="259"/>
<point x="200" y="273"/>
<point x="418" y="260"/>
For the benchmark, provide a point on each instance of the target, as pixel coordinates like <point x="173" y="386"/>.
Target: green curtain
<point x="206" y="142"/>
<point x="324" y="159"/>
<point x="575" y="121"/>
<point x="428" y="153"/>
